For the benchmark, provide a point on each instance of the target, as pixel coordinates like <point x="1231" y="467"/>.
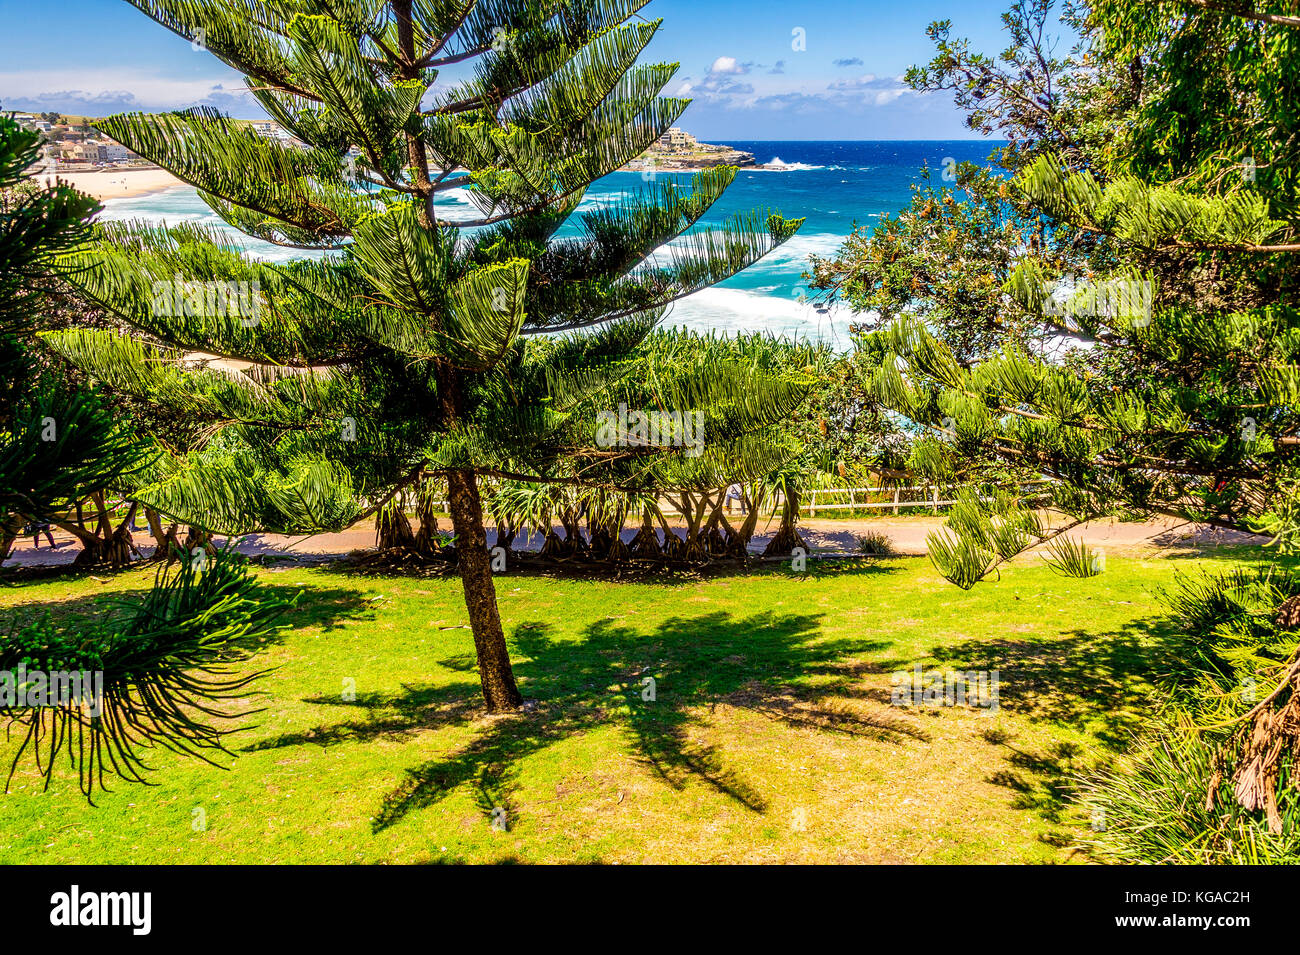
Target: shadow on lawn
<point x="322" y="607"/>
<point x="1106" y="681"/>
<point x="770" y="665"/>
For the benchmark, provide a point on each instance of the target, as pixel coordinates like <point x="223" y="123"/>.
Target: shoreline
<point x="758" y="167"/>
<point x="109" y="184"/>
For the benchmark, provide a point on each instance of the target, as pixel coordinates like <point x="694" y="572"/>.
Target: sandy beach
<point x="121" y="183"/>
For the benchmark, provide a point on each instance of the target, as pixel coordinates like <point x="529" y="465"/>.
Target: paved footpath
<point x="907" y="535"/>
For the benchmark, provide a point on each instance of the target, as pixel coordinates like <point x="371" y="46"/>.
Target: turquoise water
<point x="832" y="184"/>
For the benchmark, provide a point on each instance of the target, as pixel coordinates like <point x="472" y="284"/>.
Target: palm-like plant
<point x="419" y="344"/>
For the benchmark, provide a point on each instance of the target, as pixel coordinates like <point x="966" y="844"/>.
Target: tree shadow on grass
<point x="387" y="716"/>
<point x="529" y="566"/>
<point x="323" y="607"/>
<point x="1043" y="781"/>
<point x="659" y="689"/>
<point x="1104" y="682"/>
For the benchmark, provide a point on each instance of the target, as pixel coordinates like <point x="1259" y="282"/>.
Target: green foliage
<point x="983" y="530"/>
<point x="1174" y="799"/>
<point x="57" y="442"/>
<point x="1140" y="357"/>
<point x="875" y="544"/>
<point x="1073" y="558"/>
<point x="1238" y="647"/>
<point x="428" y="342"/>
<point x="1139" y="352"/>
<point x="166" y="662"/>
<point x="1152" y="809"/>
<point x="1137" y="213"/>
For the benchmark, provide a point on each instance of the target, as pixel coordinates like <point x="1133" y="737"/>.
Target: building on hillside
<point x="678" y="140"/>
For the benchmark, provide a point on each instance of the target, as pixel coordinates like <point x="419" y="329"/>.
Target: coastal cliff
<point x="677" y="150"/>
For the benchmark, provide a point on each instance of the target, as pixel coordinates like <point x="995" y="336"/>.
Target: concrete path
<point x="906" y="533"/>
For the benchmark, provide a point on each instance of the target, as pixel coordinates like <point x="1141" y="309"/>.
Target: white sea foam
<point x="739" y="310"/>
<point x="793" y="254"/>
<point x="778" y="163"/>
<point x="763" y="308"/>
<point x="177" y="206"/>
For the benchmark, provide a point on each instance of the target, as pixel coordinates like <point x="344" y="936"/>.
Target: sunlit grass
<point x="770" y="737"/>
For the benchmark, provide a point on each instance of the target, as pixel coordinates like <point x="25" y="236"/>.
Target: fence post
<point x="896" y="500"/>
<point x="853" y="510"/>
<point x="812" y="504"/>
<point x="934" y="499"/>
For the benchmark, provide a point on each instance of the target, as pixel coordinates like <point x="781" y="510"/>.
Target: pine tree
<point x="95" y="693"/>
<point x="57" y="442"/>
<point x="419" y="344"/>
<point x="1180" y="396"/>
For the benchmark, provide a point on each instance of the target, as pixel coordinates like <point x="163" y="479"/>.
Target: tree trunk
<point x="113" y="547"/>
<point x="498" y="679"/>
<point x="646" y="542"/>
<point x="426" y="542"/>
<point x="740" y="543"/>
<point x="506" y="532"/>
<point x="393" y="529"/>
<point x="787" y="535"/>
<point x="8" y="534"/>
<point x="167" y="542"/>
<point x="499" y="689"/>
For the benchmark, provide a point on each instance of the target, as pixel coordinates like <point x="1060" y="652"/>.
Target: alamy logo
<point x="921" y="687"/>
<point x="676" y="429"/>
<point x="1111" y="299"/>
<point x="24" y="688"/>
<point x="75" y="907"/>
<point x="179" y="299"/>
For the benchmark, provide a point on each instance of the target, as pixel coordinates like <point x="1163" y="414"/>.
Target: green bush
<point x="875" y="543"/>
<point x="1155" y="806"/>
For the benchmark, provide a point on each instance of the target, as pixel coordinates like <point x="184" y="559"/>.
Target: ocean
<point x="833" y="184"/>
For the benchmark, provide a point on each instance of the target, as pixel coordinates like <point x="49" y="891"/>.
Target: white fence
<point x="859" y="499"/>
<point x="867" y="492"/>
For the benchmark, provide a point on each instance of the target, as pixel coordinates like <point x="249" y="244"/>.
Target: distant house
<point x="114" y="152"/>
<point x="78" y="152"/>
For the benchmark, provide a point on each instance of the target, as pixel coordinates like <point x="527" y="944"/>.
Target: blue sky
<point x="757" y="69"/>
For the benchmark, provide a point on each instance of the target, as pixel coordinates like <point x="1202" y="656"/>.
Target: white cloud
<point x="728" y="64"/>
<point x="106" y="91"/>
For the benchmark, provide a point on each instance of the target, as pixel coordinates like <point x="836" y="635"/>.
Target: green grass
<point x="771" y="737"/>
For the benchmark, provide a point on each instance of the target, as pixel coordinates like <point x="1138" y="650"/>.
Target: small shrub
<point x="875" y="543"/>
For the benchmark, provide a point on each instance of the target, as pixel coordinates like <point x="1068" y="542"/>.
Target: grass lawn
<point x="771" y="737"/>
